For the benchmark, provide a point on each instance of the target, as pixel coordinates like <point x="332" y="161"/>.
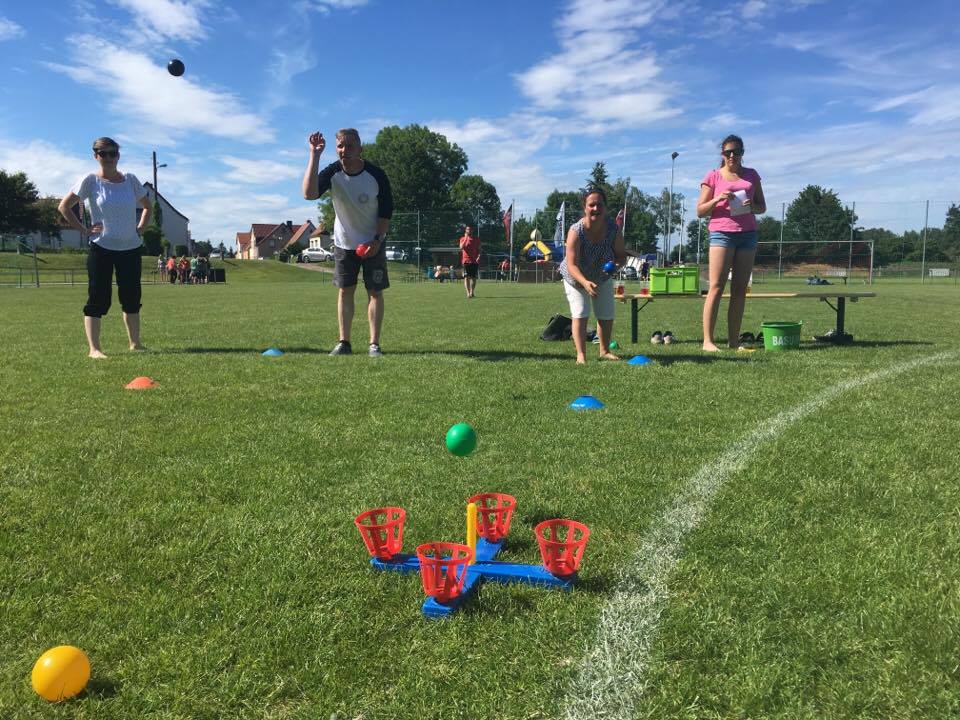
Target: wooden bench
<point x="841" y="296"/>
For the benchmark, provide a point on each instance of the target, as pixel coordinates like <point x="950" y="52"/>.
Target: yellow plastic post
<point x="472" y="530"/>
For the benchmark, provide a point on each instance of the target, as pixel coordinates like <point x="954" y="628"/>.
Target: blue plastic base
<point x="485" y="568"/>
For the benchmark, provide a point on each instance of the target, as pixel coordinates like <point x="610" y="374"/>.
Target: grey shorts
<point x="346" y="269"/>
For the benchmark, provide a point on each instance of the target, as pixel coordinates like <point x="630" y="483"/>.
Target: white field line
<point x="611" y="677"/>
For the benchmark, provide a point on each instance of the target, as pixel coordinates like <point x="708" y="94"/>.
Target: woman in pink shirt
<point x="731" y="196"/>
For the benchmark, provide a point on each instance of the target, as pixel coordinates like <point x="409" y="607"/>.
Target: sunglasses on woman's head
<point x="107" y="153"/>
<point x="730" y="153"/>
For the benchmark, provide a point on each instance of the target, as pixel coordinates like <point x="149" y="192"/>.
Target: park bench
<point x="840" y="296"/>
<point x="838" y="273"/>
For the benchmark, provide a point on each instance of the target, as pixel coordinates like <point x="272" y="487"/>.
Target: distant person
<point x="470" y="257"/>
<point x="504" y="270"/>
<point x="183" y="270"/>
<point x="172" y="269"/>
<point x="645" y="270"/>
<point x="195" y="269"/>
<point x="114" y="235"/>
<point x="438" y="273"/>
<point x="161" y="268"/>
<point x="363" y="204"/>
<point x="731" y="196"/>
<point x="592" y="242"/>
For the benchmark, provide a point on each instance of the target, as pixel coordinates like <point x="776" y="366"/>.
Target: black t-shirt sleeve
<point x="326" y="177"/>
<point x="384" y="194"/>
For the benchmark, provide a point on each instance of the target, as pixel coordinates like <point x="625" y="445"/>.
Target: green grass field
<point x="197" y="540"/>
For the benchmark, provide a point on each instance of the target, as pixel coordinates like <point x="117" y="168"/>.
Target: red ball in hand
<point x="362" y="250"/>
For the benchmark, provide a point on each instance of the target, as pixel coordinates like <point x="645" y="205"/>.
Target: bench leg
<point x="633" y="320"/>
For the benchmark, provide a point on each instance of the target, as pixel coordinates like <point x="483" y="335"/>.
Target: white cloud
<point x="935" y="105"/>
<point x="596" y="73"/>
<point x="326" y="6"/>
<point x="9" y="30"/>
<point x="52" y="170"/>
<point x="753" y="8"/>
<point x="133" y="87"/>
<point x="172" y="19"/>
<point x="260" y="171"/>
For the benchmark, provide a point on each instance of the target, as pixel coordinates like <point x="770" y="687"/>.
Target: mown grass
<point x="197" y="539"/>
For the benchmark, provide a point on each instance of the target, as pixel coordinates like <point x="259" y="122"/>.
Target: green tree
<point x="325" y="215"/>
<point x="422" y="165"/>
<point x="18" y="204"/>
<point x="599" y="178"/>
<point x="817" y="216"/>
<point x="152" y="240"/>
<point x="951" y="233"/>
<point x="48" y="216"/>
<point x="475" y="198"/>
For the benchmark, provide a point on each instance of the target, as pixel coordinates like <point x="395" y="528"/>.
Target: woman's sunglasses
<point x="730" y="153"/>
<point x="107" y="153"/>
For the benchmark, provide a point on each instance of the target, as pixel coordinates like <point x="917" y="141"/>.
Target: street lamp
<point x="156" y="193"/>
<point x="673" y="161"/>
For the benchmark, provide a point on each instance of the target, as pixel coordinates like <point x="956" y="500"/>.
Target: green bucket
<point x="781" y="335"/>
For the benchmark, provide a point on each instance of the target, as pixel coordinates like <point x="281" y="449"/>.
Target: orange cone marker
<point x="141" y="383"/>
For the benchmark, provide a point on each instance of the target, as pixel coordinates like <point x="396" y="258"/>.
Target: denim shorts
<point x="746" y="240"/>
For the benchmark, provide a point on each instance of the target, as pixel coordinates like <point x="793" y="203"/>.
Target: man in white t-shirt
<point x="363" y="205"/>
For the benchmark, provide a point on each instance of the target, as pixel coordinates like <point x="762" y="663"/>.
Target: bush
<point x="179" y="250"/>
<point x="152" y="240"/>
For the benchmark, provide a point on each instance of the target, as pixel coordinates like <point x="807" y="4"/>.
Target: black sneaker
<point x="375" y="350"/>
<point x="342" y="348"/>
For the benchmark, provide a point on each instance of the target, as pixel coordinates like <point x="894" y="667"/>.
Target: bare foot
<point x="710" y="347"/>
<point x="97" y="355"/>
<point x="608" y="356"/>
<point x="138" y="348"/>
<point x="581" y="360"/>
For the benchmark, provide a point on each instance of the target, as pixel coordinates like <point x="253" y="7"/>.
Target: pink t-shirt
<point x="720" y="218"/>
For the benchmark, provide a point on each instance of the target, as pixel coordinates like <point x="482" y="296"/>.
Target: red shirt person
<point x="470" y="257"/>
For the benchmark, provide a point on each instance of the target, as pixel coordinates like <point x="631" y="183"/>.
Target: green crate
<point x="682" y="280"/>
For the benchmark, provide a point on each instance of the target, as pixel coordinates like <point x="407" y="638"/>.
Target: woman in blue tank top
<point x="591" y="243"/>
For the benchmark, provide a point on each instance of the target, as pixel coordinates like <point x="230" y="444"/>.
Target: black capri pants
<point x="100" y="266"/>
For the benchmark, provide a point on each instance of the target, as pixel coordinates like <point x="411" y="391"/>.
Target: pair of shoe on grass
<point x="662" y="338"/>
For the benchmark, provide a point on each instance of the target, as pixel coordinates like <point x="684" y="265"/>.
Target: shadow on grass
<point x="864" y="344"/>
<point x="237" y="351"/>
<point x="102" y="688"/>
<point x="488" y="355"/>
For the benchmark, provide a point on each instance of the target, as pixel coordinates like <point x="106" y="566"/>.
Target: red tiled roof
<point x="262" y="230"/>
<point x="319" y="232"/>
<point x="300" y="232"/>
<point x="243" y="239"/>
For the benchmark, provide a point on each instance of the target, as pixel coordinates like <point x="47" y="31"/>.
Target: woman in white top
<point x="115" y="242"/>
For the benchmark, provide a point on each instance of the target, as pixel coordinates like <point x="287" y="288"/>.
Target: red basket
<point x="443" y="569"/>
<point x="382" y="530"/>
<point x="561" y="545"/>
<point x="494" y="511"/>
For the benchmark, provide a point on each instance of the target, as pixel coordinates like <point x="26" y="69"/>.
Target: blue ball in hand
<point x="609" y="266"/>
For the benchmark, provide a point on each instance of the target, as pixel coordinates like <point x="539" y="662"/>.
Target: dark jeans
<point x="100" y="266"/>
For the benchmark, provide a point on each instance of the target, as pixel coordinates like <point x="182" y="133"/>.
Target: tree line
<point x="434" y="199"/>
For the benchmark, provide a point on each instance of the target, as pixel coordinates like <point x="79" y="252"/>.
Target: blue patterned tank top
<point x="591" y="256"/>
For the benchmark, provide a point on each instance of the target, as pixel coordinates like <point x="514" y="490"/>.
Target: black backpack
<point x="558" y="328"/>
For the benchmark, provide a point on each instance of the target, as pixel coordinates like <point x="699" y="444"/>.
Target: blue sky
<point x="861" y="96"/>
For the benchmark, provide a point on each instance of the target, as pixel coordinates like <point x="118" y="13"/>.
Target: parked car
<point x="395" y="253"/>
<point x="629" y="273"/>
<point x="315" y="255"/>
